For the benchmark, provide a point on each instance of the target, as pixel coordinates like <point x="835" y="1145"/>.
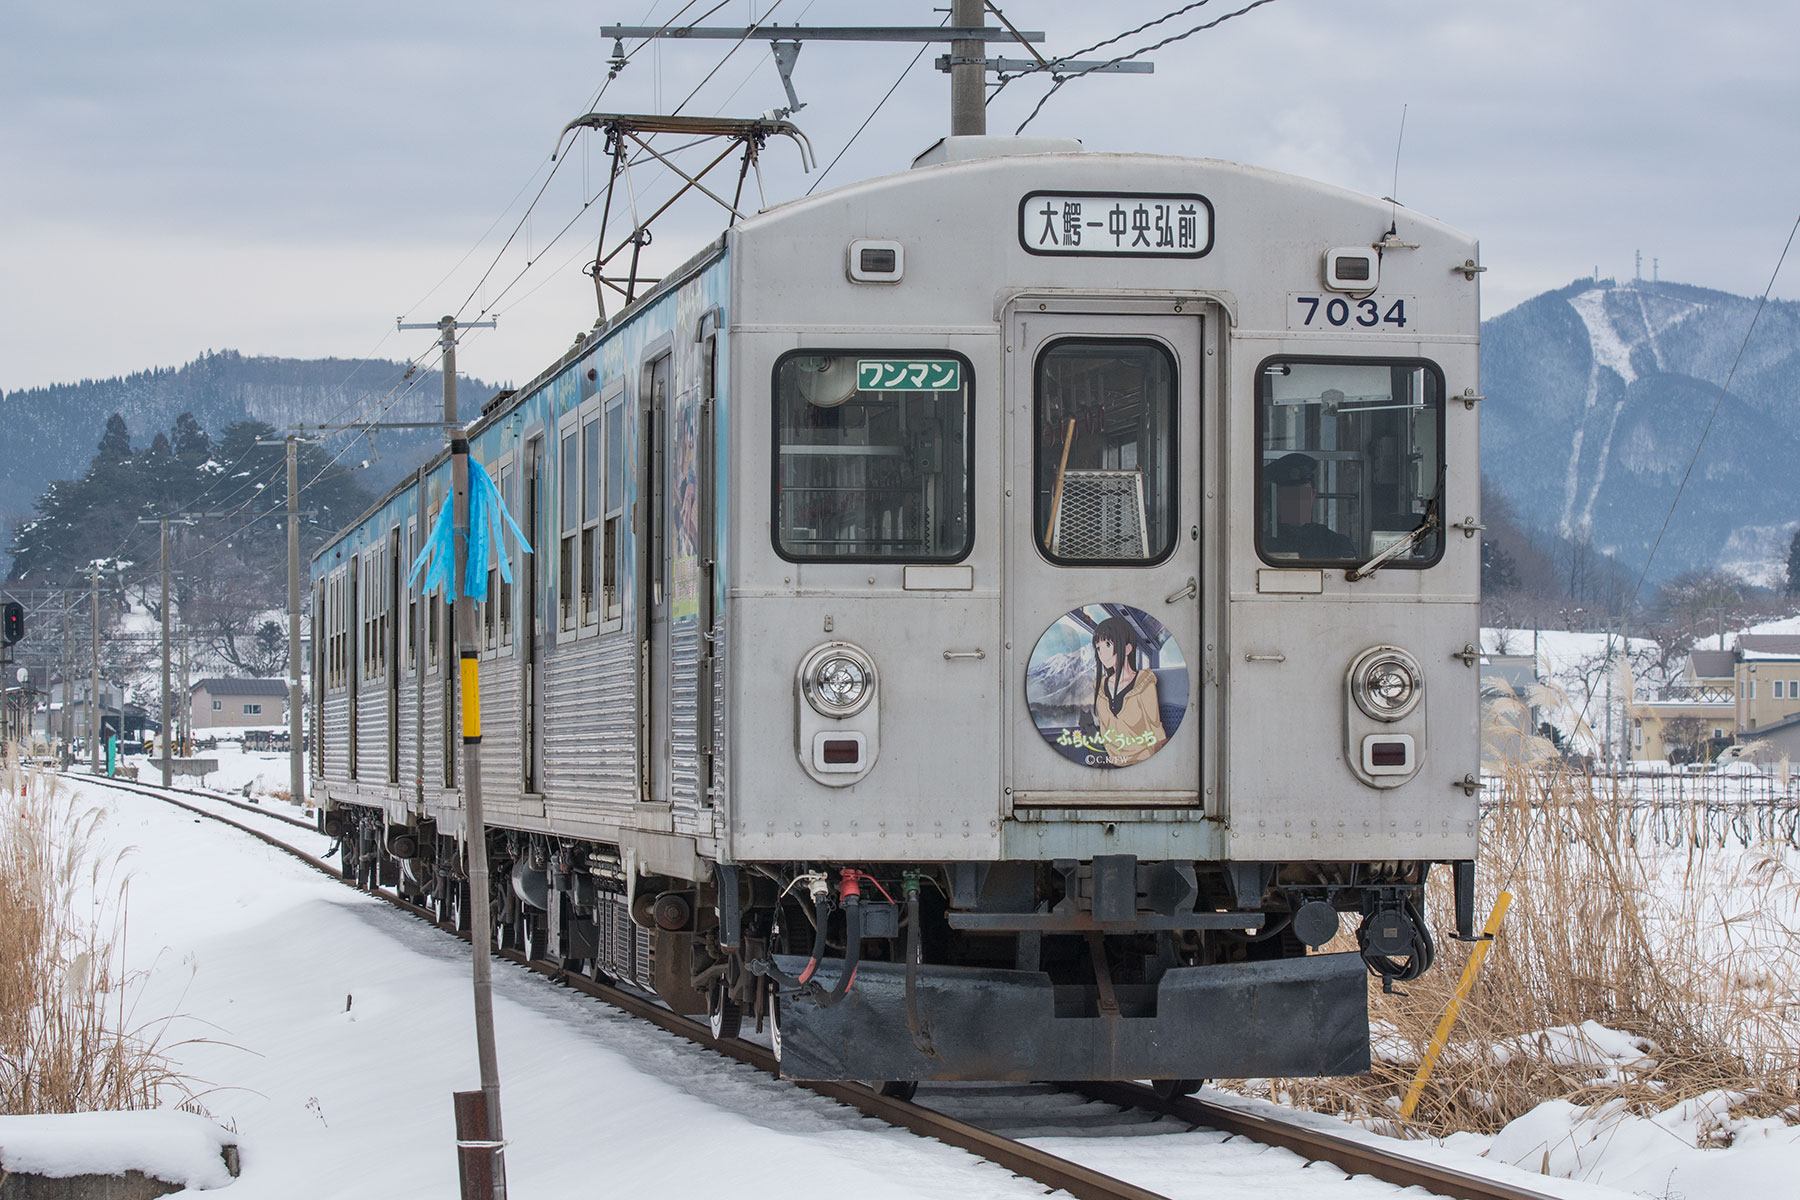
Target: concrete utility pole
<point x="462" y="614"/>
<point x="65" y="725"/>
<point x="968" y="71"/>
<point x="95" y="724"/>
<point x="296" y="750"/>
<point x="168" y="768"/>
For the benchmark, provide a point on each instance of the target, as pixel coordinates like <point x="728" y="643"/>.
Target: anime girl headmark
<point x="1125" y="701"/>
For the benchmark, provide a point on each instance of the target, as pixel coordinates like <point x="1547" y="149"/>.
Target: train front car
<point x="1103" y="609"/>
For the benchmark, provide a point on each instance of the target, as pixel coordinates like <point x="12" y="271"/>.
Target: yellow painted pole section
<point x="1463" y="987"/>
<point x="471" y="699"/>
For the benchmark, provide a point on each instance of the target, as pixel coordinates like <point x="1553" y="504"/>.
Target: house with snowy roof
<point x="237" y="702"/>
<point x="1689" y="716"/>
<point x="1767" y="680"/>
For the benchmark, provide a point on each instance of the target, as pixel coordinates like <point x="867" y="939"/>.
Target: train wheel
<point x="722" y="1012"/>
<point x="1170" y="1089"/>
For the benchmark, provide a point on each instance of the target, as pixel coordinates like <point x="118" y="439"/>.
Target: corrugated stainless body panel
<point x="500" y="728"/>
<point x="337" y="736"/>
<point x="371" y="732"/>
<point x="715" y="825"/>
<point x="409" y="745"/>
<point x="591" y="722"/>
<point x="685" y="644"/>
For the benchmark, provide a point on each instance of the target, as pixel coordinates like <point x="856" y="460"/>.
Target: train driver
<point x="1296" y="534"/>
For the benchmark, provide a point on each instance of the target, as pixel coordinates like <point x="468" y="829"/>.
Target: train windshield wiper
<point x="1428" y="525"/>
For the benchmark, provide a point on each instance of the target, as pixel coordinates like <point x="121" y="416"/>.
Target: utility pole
<point x="185" y="714"/>
<point x="968" y="71"/>
<point x="95" y="724"/>
<point x="296" y="750"/>
<point x="462" y="614"/>
<point x="168" y="768"/>
<point x="65" y="727"/>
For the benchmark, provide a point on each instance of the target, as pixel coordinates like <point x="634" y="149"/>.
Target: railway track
<point x="934" y="1113"/>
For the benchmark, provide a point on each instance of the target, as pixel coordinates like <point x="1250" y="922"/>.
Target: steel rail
<point x="1053" y="1171"/>
<point x="1314" y="1145"/>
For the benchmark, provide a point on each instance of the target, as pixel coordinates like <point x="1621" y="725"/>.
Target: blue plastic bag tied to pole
<point x="488" y="519"/>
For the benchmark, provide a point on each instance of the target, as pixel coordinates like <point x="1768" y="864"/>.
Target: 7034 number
<point x="1342" y="312"/>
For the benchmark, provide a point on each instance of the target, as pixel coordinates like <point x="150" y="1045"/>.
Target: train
<point x="1013" y="618"/>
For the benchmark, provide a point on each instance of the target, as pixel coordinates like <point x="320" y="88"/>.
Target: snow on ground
<point x="173" y="1146"/>
<point x="329" y="1030"/>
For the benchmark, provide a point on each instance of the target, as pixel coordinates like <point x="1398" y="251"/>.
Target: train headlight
<point x="838" y="679"/>
<point x="1386" y="683"/>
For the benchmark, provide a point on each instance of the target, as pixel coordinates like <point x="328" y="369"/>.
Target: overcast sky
<point x="288" y="179"/>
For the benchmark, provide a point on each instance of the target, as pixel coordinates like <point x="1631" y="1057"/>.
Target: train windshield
<point x="872" y="457"/>
<point x="1105" y="451"/>
<point x="1350" y="463"/>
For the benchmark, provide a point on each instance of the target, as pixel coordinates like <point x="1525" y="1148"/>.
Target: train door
<point x="531" y="626"/>
<point x="706" y="469"/>
<point x="1105" y="584"/>
<point x="653" y="560"/>
<point x="390" y="653"/>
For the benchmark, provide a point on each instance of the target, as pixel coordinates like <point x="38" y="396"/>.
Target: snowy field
<point x="327" y="1031"/>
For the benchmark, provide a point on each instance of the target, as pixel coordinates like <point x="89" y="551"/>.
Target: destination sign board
<point x="1116" y="224"/>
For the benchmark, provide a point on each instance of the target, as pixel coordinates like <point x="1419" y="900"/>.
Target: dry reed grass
<point x="1694" y="955"/>
<point x="70" y="1039"/>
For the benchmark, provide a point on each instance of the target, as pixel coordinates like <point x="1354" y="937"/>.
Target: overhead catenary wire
<point x="1061" y="79"/>
<point x="901" y="78"/>
<point x="1050" y="65"/>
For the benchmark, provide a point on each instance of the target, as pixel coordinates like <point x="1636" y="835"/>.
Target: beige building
<point x="238" y="702"/>
<point x="1737" y="695"/>
<point x="1697" y="710"/>
<point x="1768" y="681"/>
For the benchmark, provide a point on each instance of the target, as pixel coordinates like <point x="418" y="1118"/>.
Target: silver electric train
<point x="996" y="621"/>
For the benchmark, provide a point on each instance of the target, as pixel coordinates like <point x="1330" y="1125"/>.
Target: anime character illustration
<point x="1107" y="685"/>
<point x="1125" y="704"/>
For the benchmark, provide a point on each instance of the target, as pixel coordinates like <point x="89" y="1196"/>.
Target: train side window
<point x="568" y="565"/>
<point x="504" y="481"/>
<point x="1350" y="460"/>
<point x="873" y="456"/>
<point x="1106" y="465"/>
<point x="612" y="529"/>
<point x="590" y="520"/>
<point x="412" y="599"/>
<point x="431" y="631"/>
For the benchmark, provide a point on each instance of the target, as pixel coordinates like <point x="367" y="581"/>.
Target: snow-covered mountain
<point x="1596" y="396"/>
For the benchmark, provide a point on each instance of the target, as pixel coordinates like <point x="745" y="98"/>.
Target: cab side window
<point x="1350" y="457"/>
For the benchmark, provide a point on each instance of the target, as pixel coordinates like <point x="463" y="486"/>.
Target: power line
<point x="878" y="105"/>
<point x="1168" y="41"/>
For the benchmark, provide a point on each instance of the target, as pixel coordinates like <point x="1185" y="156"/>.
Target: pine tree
<point x="115" y="442"/>
<point x="192" y="444"/>
<point x="1793" y="574"/>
